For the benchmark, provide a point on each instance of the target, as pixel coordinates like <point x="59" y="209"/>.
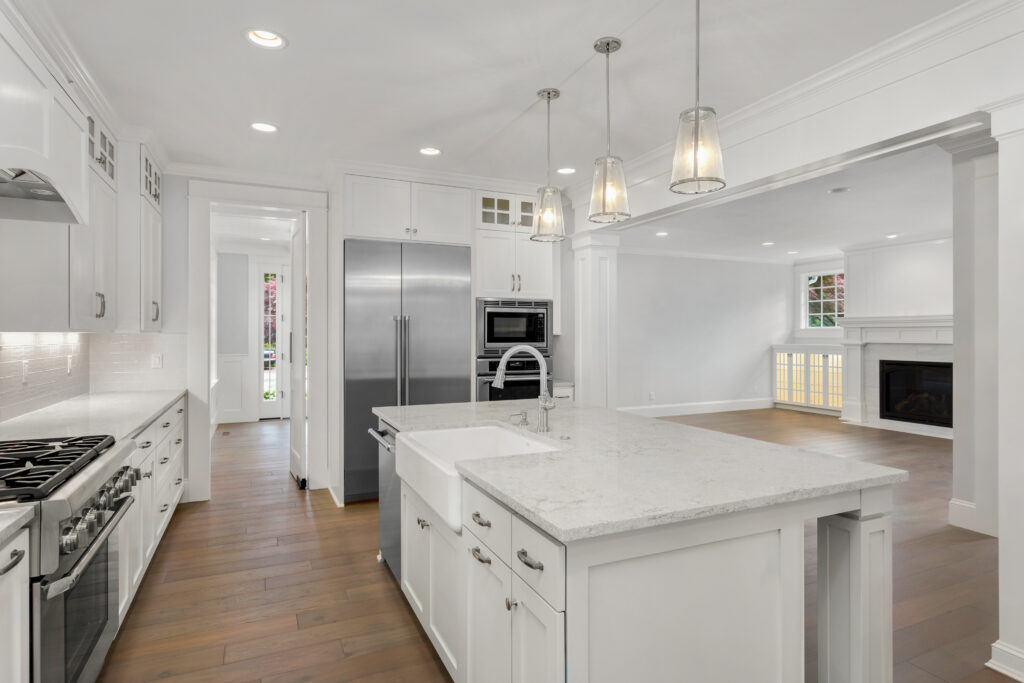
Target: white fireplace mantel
<point x="917" y="329"/>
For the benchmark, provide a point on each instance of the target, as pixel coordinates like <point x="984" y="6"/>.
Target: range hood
<point x="26" y="195"/>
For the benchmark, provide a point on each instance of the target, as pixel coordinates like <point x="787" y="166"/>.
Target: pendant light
<point x="697" y="164"/>
<point x="548" y="222"/>
<point x="608" y="201"/>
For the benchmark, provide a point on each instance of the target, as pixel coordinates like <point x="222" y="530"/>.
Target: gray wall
<point x="232" y="303"/>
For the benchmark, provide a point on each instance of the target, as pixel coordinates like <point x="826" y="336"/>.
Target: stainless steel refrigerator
<point x="407" y="342"/>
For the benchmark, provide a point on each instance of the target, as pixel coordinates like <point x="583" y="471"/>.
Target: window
<point x="825" y="300"/>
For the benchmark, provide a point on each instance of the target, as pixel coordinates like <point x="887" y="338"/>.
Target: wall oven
<point x="75" y="608"/>
<point x="503" y="323"/>
<point x="522" y="379"/>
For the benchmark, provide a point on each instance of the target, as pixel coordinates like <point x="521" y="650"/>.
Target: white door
<point x="103" y="220"/>
<point x="273" y="282"/>
<point x="495" y="256"/>
<point x="298" y="357"/>
<point x="538" y="637"/>
<point x="152" y="248"/>
<point x="415" y="555"/>
<point x="441" y="213"/>
<point x="488" y="621"/>
<point x="535" y="268"/>
<point x="83" y="298"/>
<point x="447" y="596"/>
<point x="15" y="615"/>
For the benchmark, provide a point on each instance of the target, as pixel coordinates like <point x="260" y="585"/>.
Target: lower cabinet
<point x="538" y="637"/>
<point x="15" y="614"/>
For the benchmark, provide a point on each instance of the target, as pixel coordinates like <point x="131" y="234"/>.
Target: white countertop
<point x="618" y="472"/>
<point x="119" y="414"/>
<point x="12" y="519"/>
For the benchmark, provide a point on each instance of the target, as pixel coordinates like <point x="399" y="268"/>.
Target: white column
<point x="855" y="599"/>
<point x="595" y="256"/>
<point x="1008" y="130"/>
<point x="975" y="367"/>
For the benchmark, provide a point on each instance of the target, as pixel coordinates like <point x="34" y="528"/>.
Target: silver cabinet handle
<point x="163" y="461"/>
<point x="509" y="604"/>
<point x="398" y="357"/>
<point x="519" y="281"/>
<point x="177" y="442"/>
<point x="379" y="437"/>
<point x="103" y="305"/>
<point x="513" y="282"/>
<point x="525" y="558"/>
<point x="414" y="231"/>
<point x="165" y="425"/>
<point x="16" y="557"/>
<point x="422" y="522"/>
<point x="177" y="482"/>
<point x="480" y="520"/>
<point x="180" y="411"/>
<point x="408" y="230"/>
<point x="145" y="444"/>
<point x="479" y="557"/>
<point x="406" y="337"/>
<point x="156" y="311"/>
<point x="147" y="475"/>
<point x="163" y="508"/>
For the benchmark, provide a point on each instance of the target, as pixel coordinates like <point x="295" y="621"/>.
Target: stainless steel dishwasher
<point x="390" y="488"/>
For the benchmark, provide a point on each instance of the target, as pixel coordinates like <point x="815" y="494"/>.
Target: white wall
<point x="48" y="380"/>
<point x="124" y="361"/>
<point x="233" y="304"/>
<point x="901" y="280"/>
<point x="697" y="333"/>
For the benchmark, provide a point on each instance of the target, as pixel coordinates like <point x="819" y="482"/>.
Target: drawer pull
<point x="145" y="444"/>
<point x="177" y="482"/>
<point x="525" y="558"/>
<point x="165" y="425"/>
<point x="422" y="522"/>
<point x="16" y="557"/>
<point x="479" y="557"/>
<point x="147" y="475"/>
<point x="180" y="411"/>
<point x="509" y="604"/>
<point x="163" y="508"/>
<point x="163" y="461"/>
<point x="480" y="520"/>
<point x="177" y="442"/>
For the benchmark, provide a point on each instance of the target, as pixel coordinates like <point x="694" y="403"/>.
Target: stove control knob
<point x="82" y="527"/>
<point x="129" y="474"/>
<point x="123" y="485"/>
<point x="68" y="542"/>
<point x="93" y="517"/>
<point x="103" y="500"/>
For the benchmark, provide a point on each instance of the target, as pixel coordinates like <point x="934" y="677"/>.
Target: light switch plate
<point x="156" y="361"/>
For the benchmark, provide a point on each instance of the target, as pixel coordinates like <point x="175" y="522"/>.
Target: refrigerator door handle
<point x="405" y="361"/>
<point x="399" y="343"/>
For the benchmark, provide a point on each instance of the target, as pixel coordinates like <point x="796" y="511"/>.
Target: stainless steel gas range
<point x="81" y="489"/>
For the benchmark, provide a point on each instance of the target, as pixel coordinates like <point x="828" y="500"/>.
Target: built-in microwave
<point x="504" y="323"/>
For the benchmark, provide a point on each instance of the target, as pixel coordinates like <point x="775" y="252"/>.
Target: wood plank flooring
<point x="945" y="605"/>
<point x="269" y="583"/>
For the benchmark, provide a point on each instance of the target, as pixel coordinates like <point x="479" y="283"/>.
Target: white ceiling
<point x="908" y="194"/>
<point x="375" y="81"/>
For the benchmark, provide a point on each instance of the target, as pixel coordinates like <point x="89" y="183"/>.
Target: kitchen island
<point x="641" y="549"/>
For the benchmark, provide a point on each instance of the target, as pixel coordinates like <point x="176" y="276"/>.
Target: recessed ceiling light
<point x="661" y="234"/>
<point x="792" y="253"/>
<point x="264" y="127"/>
<point x="566" y="171"/>
<point x="767" y="244"/>
<point x="265" y="239"/>
<point x="430" y="151"/>
<point x="892" y="236"/>
<point x="264" y="38"/>
<point x="838" y="190"/>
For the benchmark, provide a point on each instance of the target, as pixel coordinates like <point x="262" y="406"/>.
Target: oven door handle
<point x="69" y="580"/>
<point x="513" y="378"/>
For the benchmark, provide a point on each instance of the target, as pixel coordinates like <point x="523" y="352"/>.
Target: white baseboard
<point x="335" y="497"/>
<point x="906" y="427"/>
<point x="669" y="409"/>
<point x="1007" y="660"/>
<point x="964" y="514"/>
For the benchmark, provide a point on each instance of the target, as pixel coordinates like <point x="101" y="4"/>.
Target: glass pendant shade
<point x="608" y="200"/>
<point x="548" y="221"/>
<point x="697" y="165"/>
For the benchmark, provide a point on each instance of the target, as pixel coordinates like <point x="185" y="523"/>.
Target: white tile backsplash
<point x="123" y="362"/>
<point x="47" y="380"/>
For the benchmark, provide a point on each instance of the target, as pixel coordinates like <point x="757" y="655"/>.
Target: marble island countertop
<point x="615" y="472"/>
<point x="119" y="414"/>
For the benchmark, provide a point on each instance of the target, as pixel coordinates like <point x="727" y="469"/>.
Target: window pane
<point x="840" y="292"/>
<point x="813" y="294"/>
<point x="488" y="202"/>
<point x="814" y="281"/>
<point x="828" y="321"/>
<point x="503" y="219"/>
<point x="828" y="280"/>
<point x="814" y="307"/>
<point x="828" y="293"/>
<point x="488" y="217"/>
<point x="814" y="321"/>
<point x="841" y="279"/>
<point x="828" y="306"/>
<point x="840" y="306"/>
<point x="504" y="205"/>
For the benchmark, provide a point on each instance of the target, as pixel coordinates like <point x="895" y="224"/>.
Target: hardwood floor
<point x="269" y="583"/>
<point x="944" y="578"/>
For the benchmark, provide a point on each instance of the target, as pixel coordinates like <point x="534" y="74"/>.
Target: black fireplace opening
<point x="917" y="392"/>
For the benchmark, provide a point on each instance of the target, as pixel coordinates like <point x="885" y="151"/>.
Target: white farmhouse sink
<point x="426" y="461"/>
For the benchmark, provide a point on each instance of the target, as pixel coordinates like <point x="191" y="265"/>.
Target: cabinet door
<point x="128" y="537"/>
<point x="538" y="637"/>
<point x="147" y="508"/>
<point x="83" y="299"/>
<point x="415" y="555"/>
<point x="447" y="597"/>
<point x="15" y="615"/>
<point x="441" y="213"/>
<point x="488" y="620"/>
<point x="377" y="207"/>
<point x="103" y="221"/>
<point x="535" y="268"/>
<point x="524" y="213"/>
<point x="495" y="263"/>
<point x="33" y="277"/>
<point x="151" y="276"/>
<point x="495" y="211"/>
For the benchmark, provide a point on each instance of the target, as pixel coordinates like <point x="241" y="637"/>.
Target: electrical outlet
<point x="156" y="361"/>
<point x="650" y="397"/>
<point x="69" y="363"/>
<point x="24" y="372"/>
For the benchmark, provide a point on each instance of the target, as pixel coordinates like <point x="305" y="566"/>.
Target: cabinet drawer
<point x="540" y="562"/>
<point x="488" y="520"/>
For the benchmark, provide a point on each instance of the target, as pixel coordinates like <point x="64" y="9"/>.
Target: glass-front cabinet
<point x="496" y="211"/>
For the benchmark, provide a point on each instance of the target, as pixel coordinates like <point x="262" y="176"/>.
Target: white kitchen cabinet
<point x="129" y="543"/>
<point x="488" y="615"/>
<point x="381" y="208"/>
<point x="509" y="265"/>
<point x="538" y="637"/>
<point x="15" y="616"/>
<point x="92" y="262"/>
<point x="535" y="268"/>
<point x="498" y="211"/>
<point x="102" y="151"/>
<point x="151" y="178"/>
<point x="415" y="555"/>
<point x="151" y="271"/>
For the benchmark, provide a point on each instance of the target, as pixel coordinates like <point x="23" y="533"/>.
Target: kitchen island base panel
<point x="722" y="598"/>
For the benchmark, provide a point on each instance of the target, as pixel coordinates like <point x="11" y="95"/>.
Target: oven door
<point x="516" y="387"/>
<point x="75" y="614"/>
<point x="504" y="328"/>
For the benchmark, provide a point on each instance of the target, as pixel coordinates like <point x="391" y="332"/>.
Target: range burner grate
<point x="32" y="469"/>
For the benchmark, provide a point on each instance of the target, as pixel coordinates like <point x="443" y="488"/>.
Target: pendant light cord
<point x="696" y="108"/>
<point x="608" y="98"/>
<point x="549" y="141"/>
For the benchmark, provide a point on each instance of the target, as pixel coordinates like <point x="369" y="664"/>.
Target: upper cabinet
<point x="102" y="151"/>
<point x="496" y="211"/>
<point x="151" y="178"/>
<point x="93" y="261"/>
<point x="139" y="240"/>
<point x="397" y="209"/>
<point x="150" y="270"/>
<point x="41" y="129"/>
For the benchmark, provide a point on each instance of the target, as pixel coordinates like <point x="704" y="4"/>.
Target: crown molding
<point x="341" y="168"/>
<point x="232" y="175"/>
<point x="682" y="253"/>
